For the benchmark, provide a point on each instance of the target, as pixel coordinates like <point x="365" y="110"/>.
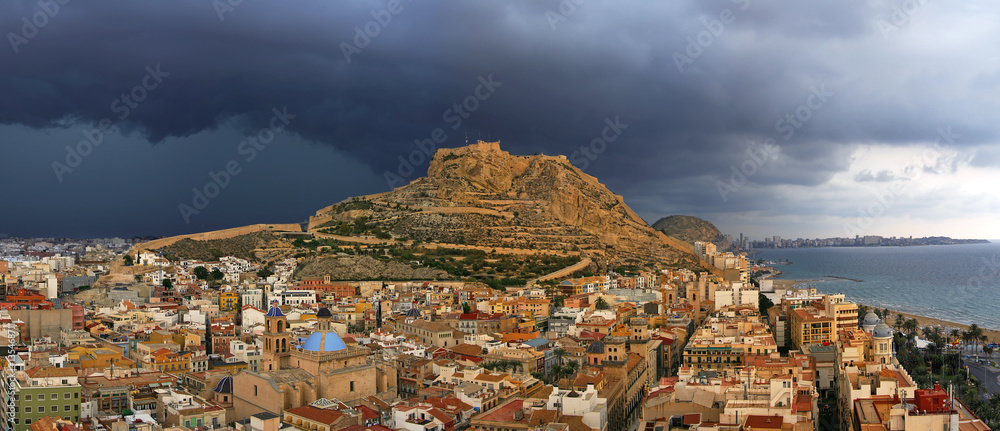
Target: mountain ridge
<point x="480" y="194"/>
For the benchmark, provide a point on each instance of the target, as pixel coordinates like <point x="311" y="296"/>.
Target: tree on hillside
<point x="128" y="260"/>
<point x="167" y="283"/>
<point x="201" y="272"/>
<point x="558" y="301"/>
<point x="264" y="273"/>
<point x="466" y="308"/>
<point x="601" y="304"/>
<point x="217" y="275"/>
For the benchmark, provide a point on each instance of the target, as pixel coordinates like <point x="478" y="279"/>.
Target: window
<point x="66" y="396"/>
<point x="27" y="409"/>
<point x="41" y="397"/>
<point x="27" y="421"/>
<point x="66" y="408"/>
<point x="352" y="386"/>
<point x="76" y="395"/>
<point x="41" y="409"/>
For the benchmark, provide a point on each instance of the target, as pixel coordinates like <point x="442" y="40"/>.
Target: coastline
<point x="947" y="326"/>
<point x="992" y="334"/>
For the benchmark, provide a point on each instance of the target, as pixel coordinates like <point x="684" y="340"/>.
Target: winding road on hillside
<point x="565" y="272"/>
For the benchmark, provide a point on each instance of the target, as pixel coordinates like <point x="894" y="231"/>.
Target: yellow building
<point x="229" y="301"/>
<point x="807" y="326"/>
<point x="521" y="306"/>
<point x="98" y="357"/>
<point x="166" y="361"/>
<point x="232" y="367"/>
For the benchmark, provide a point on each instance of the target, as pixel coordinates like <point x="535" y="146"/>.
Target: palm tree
<point x="911" y="325"/>
<point x="900" y="321"/>
<point x="560" y="354"/>
<point x="975" y="334"/>
<point x="572" y="367"/>
<point x="989" y="352"/>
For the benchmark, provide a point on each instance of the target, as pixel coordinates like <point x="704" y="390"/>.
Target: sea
<point x="958" y="283"/>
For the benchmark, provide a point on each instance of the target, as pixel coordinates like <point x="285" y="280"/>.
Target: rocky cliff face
<point x="689" y="229"/>
<point x="482" y="195"/>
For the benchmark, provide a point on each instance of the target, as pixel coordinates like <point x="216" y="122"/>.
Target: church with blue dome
<point x="295" y="371"/>
<point x="324" y="339"/>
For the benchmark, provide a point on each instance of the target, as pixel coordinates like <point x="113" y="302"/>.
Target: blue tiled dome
<point x="596" y="347"/>
<point x="225" y="385"/>
<point x="274" y="312"/>
<point x="327" y="341"/>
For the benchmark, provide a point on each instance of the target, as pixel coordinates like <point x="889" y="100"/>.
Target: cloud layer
<point x="698" y="84"/>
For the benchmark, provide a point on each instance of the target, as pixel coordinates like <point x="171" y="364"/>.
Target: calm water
<point x="959" y="283"/>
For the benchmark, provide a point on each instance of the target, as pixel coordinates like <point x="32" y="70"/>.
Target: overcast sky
<point x="798" y="119"/>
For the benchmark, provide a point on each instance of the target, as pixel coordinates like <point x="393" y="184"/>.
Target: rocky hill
<point x="246" y="246"/>
<point x="688" y="229"/>
<point x="365" y="268"/>
<point x="481" y="195"/>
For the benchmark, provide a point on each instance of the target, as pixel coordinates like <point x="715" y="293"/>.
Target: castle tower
<point x="276" y="339"/>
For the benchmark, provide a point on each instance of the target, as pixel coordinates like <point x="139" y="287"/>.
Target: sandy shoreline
<point x="947" y="326"/>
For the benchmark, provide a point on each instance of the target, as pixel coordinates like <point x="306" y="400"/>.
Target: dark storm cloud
<point x="398" y="87"/>
<point x="562" y="72"/>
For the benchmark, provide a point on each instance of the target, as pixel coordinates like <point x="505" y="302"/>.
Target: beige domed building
<point x="297" y="374"/>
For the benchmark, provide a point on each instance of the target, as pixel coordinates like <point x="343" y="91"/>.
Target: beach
<point x="991" y="334"/>
<point x="922" y="321"/>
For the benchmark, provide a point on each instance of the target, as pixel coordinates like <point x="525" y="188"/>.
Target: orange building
<point x="99" y="358"/>
<point x="228" y="301"/>
<point x="166" y="361"/>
